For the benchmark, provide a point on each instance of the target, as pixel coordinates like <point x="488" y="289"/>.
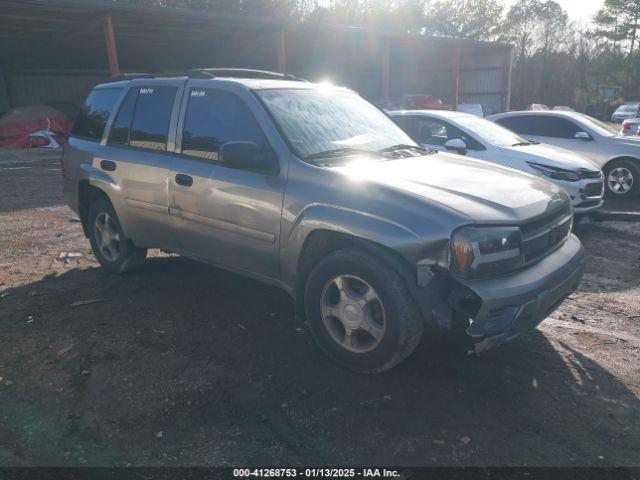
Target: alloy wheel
<point x="353" y="313"/>
<point x="107" y="236"/>
<point x="620" y="180"/>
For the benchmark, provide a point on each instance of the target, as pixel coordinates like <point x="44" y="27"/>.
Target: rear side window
<point x="151" y="117"/>
<point x="215" y="117"/>
<point x="93" y="116"/>
<point x="540" y="125"/>
<point x="121" y="128"/>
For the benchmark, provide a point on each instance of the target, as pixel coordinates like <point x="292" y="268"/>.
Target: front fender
<point x="356" y="224"/>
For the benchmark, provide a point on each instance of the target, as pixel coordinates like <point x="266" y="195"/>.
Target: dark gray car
<point x="312" y="189"/>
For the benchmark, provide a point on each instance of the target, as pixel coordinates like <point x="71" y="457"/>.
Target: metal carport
<point x="56" y="50"/>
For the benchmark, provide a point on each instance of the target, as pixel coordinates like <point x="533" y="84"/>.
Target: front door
<point x="224" y="215"/>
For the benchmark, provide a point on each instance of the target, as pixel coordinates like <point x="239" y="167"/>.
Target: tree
<point x="472" y="19"/>
<point x="618" y="21"/>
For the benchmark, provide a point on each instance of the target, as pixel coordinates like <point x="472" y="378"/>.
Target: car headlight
<point x="480" y="251"/>
<point x="555" y="173"/>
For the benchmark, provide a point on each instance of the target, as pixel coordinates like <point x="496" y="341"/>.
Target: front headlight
<point x="480" y="251"/>
<point x="555" y="173"/>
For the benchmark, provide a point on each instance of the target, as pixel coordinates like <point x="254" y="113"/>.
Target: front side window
<point x="214" y="117"/>
<point x="92" y="118"/>
<point x="151" y="117"/>
<point x="596" y="125"/>
<point x="315" y="121"/>
<point x="433" y="131"/>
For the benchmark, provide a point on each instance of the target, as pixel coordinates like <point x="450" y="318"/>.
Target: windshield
<point x="629" y="107"/>
<point x="597" y="126"/>
<point x="491" y="132"/>
<point x="326" y="120"/>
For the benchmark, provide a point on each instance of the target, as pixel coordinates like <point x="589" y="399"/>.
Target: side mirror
<point x="582" y="136"/>
<point x="456" y="144"/>
<point x="242" y="155"/>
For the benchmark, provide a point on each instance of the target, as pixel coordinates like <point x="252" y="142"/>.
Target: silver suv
<point x="312" y="189"/>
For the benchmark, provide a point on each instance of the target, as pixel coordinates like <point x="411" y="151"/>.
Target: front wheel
<point x="360" y="312"/>
<point x="112" y="249"/>
<point x="622" y="179"/>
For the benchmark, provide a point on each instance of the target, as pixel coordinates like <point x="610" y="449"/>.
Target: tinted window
<point x="92" y="118"/>
<point x="540" y="125"/>
<point x="215" y="117"/>
<point x="150" y="126"/>
<point x="122" y="123"/>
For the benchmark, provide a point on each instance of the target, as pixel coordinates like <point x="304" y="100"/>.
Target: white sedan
<point x="479" y="138"/>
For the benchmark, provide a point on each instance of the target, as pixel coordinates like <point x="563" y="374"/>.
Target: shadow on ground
<point x="183" y="364"/>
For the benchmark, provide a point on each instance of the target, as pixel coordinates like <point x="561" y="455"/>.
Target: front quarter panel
<point x="321" y="199"/>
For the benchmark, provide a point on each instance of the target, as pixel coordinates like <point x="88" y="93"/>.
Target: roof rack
<point x="130" y="76"/>
<point x="239" y="73"/>
<point x="210" y="73"/>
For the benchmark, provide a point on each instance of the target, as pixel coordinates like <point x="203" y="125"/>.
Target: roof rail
<point x="129" y="76"/>
<point x="239" y="73"/>
<point x="210" y="73"/>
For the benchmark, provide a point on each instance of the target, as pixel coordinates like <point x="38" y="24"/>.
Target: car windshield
<point x="629" y="107"/>
<point x="597" y="126"/>
<point x="490" y="132"/>
<point x="332" y="122"/>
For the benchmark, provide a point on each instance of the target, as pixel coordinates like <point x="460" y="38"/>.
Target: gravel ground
<point x="178" y="363"/>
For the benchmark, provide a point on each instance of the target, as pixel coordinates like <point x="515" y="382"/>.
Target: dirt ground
<point x="179" y="364"/>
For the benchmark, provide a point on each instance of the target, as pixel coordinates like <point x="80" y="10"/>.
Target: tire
<point x="392" y="318"/>
<point x="124" y="255"/>
<point x="622" y="179"/>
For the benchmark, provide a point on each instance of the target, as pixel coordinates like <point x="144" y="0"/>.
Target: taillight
<point x="626" y="125"/>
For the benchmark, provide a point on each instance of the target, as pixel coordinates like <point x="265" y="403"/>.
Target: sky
<point x="579" y="10"/>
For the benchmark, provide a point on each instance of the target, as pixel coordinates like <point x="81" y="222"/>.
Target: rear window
<point x="93" y="116"/>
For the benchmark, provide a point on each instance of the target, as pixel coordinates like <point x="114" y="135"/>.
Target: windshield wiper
<point x="404" y="146"/>
<point x="521" y="144"/>
<point x="338" y="152"/>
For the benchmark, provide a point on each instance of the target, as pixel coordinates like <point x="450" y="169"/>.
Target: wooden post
<point x="386" y="66"/>
<point x="455" y="77"/>
<point x="282" y="51"/>
<point x="110" y="42"/>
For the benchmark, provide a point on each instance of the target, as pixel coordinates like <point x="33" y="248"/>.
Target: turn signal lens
<point x="482" y="251"/>
<point x="463" y="256"/>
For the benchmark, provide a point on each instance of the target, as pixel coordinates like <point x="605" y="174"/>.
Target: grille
<point x="594" y="189"/>
<point x="590" y="173"/>
<point x="542" y="236"/>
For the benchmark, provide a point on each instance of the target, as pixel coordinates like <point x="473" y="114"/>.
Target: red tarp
<point x="18" y="125"/>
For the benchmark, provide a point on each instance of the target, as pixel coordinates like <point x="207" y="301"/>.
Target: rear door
<point x="140" y="148"/>
<point x="225" y="215"/>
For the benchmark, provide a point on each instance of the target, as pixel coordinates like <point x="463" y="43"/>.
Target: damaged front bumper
<point x="513" y="304"/>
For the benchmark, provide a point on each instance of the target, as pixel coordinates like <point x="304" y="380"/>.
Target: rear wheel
<point x="622" y="179"/>
<point x="112" y="249"/>
<point x="360" y="312"/>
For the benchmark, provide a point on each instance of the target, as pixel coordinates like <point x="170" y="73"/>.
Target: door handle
<point x="107" y="165"/>
<point x="184" y="180"/>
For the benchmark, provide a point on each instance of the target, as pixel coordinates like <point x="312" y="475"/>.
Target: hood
<point x="552" y="156"/>
<point x="483" y="191"/>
